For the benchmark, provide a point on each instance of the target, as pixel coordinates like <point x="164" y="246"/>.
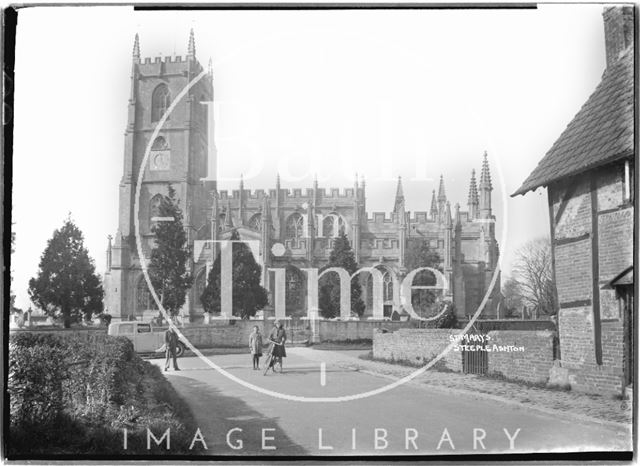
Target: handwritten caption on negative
<point x="479" y="342"/>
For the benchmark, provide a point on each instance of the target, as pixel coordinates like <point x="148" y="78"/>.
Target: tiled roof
<point x="601" y="132"/>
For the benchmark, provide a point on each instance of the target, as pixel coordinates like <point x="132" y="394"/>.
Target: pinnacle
<point x="485" y="175"/>
<point x="399" y="201"/>
<point x="473" y="189"/>
<point x="399" y="190"/>
<point x="191" y="49"/>
<point x="136" y="47"/>
<point x="442" y="197"/>
<point x="434" y="204"/>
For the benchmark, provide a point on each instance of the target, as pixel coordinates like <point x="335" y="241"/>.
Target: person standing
<point x="255" y="346"/>
<point x="277" y="337"/>
<point x="171" y="344"/>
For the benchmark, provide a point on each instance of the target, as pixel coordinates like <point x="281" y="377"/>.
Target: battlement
<point x="166" y="59"/>
<point x="169" y="64"/>
<point x="380" y="217"/>
<point x="294" y="193"/>
<point x="420" y="217"/>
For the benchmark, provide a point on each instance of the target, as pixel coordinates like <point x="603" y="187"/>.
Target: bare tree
<point x="532" y="272"/>
<point x="513" y="299"/>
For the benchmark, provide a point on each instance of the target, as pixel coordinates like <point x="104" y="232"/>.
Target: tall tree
<point x="169" y="264"/>
<point x="513" y="299"/>
<point x="329" y="293"/>
<point x="67" y="285"/>
<point x="533" y="274"/>
<point x="420" y="255"/>
<point x="248" y="296"/>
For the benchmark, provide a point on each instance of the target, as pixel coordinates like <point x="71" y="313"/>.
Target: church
<point x="302" y="224"/>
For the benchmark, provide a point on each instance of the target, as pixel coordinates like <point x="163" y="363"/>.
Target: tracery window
<point x="387" y="286"/>
<point x="329" y="229"/>
<point x="160" y="143"/>
<point x="294" y="227"/>
<point x="160" y="101"/>
<point x="154" y="208"/>
<point x="144" y="300"/>
<point x="255" y="222"/>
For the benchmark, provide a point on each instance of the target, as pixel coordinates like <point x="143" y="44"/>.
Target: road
<point x="408" y="419"/>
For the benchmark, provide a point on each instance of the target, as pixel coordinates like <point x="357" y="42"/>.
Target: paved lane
<point x="406" y="420"/>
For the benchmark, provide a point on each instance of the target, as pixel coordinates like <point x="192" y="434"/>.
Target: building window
<point x="160" y="143"/>
<point x="255" y="222"/>
<point x="294" y="228"/>
<point x="144" y="300"/>
<point x="154" y="208"/>
<point x="387" y="286"/>
<point x="160" y="102"/>
<point x="201" y="283"/>
<point x="296" y="291"/>
<point x="328" y="226"/>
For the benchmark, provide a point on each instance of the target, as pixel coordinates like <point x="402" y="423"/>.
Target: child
<point x="255" y="346"/>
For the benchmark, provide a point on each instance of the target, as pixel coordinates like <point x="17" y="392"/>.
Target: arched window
<point x="160" y="102"/>
<point x="296" y="291"/>
<point x="201" y="283"/>
<point x="328" y="226"/>
<point x="294" y="229"/>
<point x="144" y="300"/>
<point x="154" y="208"/>
<point x="255" y="222"/>
<point x="387" y="286"/>
<point x="160" y="143"/>
<point x="329" y="229"/>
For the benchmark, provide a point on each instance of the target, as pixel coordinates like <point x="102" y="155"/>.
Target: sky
<point x="415" y="93"/>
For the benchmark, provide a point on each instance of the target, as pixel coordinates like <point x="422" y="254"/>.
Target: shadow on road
<point x="217" y="415"/>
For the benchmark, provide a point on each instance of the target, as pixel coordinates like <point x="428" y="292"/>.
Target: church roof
<point x="600" y="133"/>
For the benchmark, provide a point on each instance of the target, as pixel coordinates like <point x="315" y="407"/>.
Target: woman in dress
<point x="255" y="346"/>
<point x="277" y="337"/>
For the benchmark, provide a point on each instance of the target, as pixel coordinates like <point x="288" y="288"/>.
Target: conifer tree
<point x="169" y="264"/>
<point x="329" y="293"/>
<point x="248" y="295"/>
<point x="67" y="285"/>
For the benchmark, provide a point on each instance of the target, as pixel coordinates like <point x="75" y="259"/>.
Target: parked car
<point x="145" y="337"/>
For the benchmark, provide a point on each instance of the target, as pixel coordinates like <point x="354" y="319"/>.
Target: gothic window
<point x="296" y="291"/>
<point x="294" y="228"/>
<point x="201" y="283"/>
<point x="387" y="286"/>
<point x="154" y="208"/>
<point x="160" y="102"/>
<point x="255" y="222"/>
<point x="144" y="300"/>
<point x="160" y="144"/>
<point x="329" y="225"/>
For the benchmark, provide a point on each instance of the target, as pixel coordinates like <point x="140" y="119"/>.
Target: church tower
<point x="178" y="157"/>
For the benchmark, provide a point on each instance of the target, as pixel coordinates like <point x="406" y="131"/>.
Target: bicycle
<point x="277" y="363"/>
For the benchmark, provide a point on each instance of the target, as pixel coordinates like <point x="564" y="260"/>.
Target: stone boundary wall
<point x="331" y="330"/>
<point x="417" y="346"/>
<point x="235" y="333"/>
<point x="532" y="364"/>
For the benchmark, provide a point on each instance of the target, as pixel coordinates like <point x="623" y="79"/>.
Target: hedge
<point x="69" y="395"/>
